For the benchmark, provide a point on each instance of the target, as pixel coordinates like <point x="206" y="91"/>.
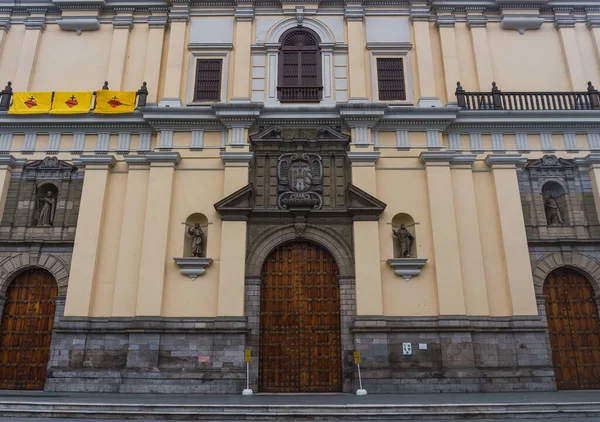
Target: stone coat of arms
<point x="300" y="181"/>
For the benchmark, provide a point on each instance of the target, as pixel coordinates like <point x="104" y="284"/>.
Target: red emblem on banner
<point x="72" y="102"/>
<point x="114" y="102"/>
<point x="31" y="102"/>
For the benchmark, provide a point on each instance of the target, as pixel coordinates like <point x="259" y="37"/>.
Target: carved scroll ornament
<point x="300" y="178"/>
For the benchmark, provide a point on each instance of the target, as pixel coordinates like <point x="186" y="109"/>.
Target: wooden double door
<point x="300" y="345"/>
<point x="26" y="331"/>
<point x="574" y="328"/>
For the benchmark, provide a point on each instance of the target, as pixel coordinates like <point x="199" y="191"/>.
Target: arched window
<point x="300" y="67"/>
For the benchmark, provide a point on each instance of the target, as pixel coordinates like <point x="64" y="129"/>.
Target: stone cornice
<point x="163" y="157"/>
<point x="436" y="157"/>
<point x="8" y="161"/>
<point x="107" y="161"/>
<point x="363" y="157"/>
<point x="590" y="160"/>
<point x="504" y="160"/>
<point x="229" y="157"/>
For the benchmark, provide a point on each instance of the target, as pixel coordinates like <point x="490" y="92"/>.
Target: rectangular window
<point x="208" y="80"/>
<point x="390" y="77"/>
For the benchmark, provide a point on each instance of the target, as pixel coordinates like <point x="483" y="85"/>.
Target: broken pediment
<point x="363" y="206"/>
<point x="550" y="162"/>
<point x="236" y="206"/>
<point x="278" y="133"/>
<point x="48" y="168"/>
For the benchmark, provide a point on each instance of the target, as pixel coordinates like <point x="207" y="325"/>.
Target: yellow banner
<point x="114" y="102"/>
<point x="31" y="103"/>
<point x="71" y="102"/>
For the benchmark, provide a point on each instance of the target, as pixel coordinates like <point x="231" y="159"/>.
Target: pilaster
<point x="469" y="237"/>
<point x="592" y="162"/>
<point x="178" y="18"/>
<point x="157" y="23"/>
<point x="7" y="162"/>
<point x="593" y="24"/>
<point x="419" y="15"/>
<point x="34" y="26"/>
<point x="233" y="239"/>
<point x="87" y="238"/>
<point x="242" y="65"/>
<point x="369" y="291"/>
<point x="564" y="22"/>
<point x="512" y="232"/>
<point x="122" y="25"/>
<point x="237" y="118"/>
<point x="477" y="23"/>
<point x="446" y="23"/>
<point x="448" y="269"/>
<point x="357" y="72"/>
<point x="131" y="240"/>
<point x="155" y="232"/>
<point x="4" y="27"/>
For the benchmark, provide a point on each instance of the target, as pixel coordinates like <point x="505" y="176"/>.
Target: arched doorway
<point x="300" y="345"/>
<point x="27" y="321"/>
<point x="574" y="329"/>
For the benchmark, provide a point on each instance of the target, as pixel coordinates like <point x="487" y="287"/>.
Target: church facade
<point x="417" y="181"/>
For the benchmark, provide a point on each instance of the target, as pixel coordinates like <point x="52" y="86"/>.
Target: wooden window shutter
<point x="390" y="77"/>
<point x="300" y="68"/>
<point x="208" y="80"/>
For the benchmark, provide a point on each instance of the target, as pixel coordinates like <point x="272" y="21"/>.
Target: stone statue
<point x="405" y="241"/>
<point x="46" y="215"/>
<point x="553" y="216"/>
<point x="197" y="235"/>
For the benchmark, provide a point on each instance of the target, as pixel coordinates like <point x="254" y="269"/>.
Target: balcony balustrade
<point x="524" y="101"/>
<point x="306" y="94"/>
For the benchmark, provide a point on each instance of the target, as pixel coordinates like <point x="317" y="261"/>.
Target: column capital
<point x="163" y="157"/>
<point x="234" y="157"/>
<point x="244" y="11"/>
<point x="445" y="21"/>
<point x="436" y="158"/>
<point x="107" y="161"/>
<point x="8" y="161"/>
<point x="136" y="160"/>
<point x="158" y="22"/>
<point x="370" y="157"/>
<point x="35" y="23"/>
<point x="237" y="114"/>
<point x="362" y="114"/>
<point x="463" y="160"/>
<point x="180" y="12"/>
<point x="504" y="161"/>
<point x="124" y="19"/>
<point x="419" y="11"/>
<point x="477" y="21"/>
<point x="590" y="160"/>
<point x="4" y="23"/>
<point x="354" y="10"/>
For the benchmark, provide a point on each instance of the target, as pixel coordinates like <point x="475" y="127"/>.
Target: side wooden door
<point x="574" y="329"/>
<point x="300" y="344"/>
<point x="26" y="331"/>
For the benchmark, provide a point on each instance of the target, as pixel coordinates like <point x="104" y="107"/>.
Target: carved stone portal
<point x="300" y="181"/>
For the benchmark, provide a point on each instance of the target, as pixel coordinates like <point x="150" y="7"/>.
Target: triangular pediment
<point x="363" y="206"/>
<point x="279" y="133"/>
<point x="550" y="161"/>
<point x="236" y="206"/>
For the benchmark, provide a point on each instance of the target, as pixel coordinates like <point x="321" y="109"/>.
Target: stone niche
<point x="43" y="201"/>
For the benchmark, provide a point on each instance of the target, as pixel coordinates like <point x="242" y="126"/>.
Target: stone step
<point x="138" y="411"/>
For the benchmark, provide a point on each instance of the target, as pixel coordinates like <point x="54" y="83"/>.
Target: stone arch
<point x="325" y="34"/>
<point x="270" y="239"/>
<point x="584" y="264"/>
<point x="11" y="267"/>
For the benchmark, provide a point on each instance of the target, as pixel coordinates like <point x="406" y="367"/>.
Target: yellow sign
<point x="357" y="358"/>
<point x="248" y="356"/>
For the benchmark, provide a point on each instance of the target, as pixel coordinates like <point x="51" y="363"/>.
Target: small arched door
<point x="574" y="330"/>
<point x="300" y="344"/>
<point x="26" y="331"/>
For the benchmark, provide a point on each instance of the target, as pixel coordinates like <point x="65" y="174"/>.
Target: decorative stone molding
<point x="193" y="267"/>
<point x="35" y="22"/>
<point x="369" y="157"/>
<point x="354" y="11"/>
<point x="233" y="157"/>
<point x="79" y="23"/>
<point x="13" y="266"/>
<point x="521" y="23"/>
<point x="173" y="158"/>
<point x="563" y="21"/>
<point x="504" y="160"/>
<point x="419" y="10"/>
<point x="407" y="267"/>
<point x="108" y="161"/>
<point x="436" y="158"/>
<point x="4" y="24"/>
<point x="244" y="12"/>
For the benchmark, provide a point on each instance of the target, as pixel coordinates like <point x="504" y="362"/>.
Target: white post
<point x="361" y="391"/>
<point x="247" y="391"/>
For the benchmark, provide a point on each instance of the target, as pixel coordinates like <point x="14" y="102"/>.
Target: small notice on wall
<point x="422" y="346"/>
<point x="357" y="358"/>
<point x="203" y="358"/>
<point x="248" y="355"/>
<point x="407" y="349"/>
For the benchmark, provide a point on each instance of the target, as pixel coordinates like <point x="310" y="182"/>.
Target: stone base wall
<point x="463" y="354"/>
<point x="148" y="355"/>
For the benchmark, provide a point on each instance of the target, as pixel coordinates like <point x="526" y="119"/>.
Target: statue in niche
<point x="553" y="216"/>
<point x="405" y="240"/>
<point x="47" y="207"/>
<point x="197" y="235"/>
